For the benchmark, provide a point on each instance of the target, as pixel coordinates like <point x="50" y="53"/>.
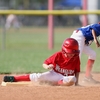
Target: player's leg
<point x="91" y="59"/>
<point x="50" y="76"/>
<point x="16" y="78"/>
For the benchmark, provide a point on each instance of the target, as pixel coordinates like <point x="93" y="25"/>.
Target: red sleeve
<point x="52" y="59"/>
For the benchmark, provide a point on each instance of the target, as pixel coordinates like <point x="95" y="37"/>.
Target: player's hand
<point x="50" y="66"/>
<point x="97" y="43"/>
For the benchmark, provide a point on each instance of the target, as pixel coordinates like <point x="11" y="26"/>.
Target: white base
<point x="16" y="83"/>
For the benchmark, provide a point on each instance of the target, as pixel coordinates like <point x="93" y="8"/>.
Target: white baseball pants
<point x="82" y="47"/>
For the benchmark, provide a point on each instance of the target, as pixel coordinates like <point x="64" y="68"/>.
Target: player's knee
<point x="71" y="78"/>
<point x="35" y="76"/>
<point x="93" y="55"/>
<point x="69" y="81"/>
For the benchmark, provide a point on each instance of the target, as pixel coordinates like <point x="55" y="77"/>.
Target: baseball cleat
<point x="9" y="79"/>
<point x="90" y="80"/>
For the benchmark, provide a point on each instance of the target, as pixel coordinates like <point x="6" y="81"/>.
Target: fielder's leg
<point x="89" y="66"/>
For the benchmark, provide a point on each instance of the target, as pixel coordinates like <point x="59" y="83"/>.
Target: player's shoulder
<point x="96" y="25"/>
<point x="58" y="53"/>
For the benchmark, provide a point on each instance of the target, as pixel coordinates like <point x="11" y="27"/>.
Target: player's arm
<point x="50" y="66"/>
<point x="77" y="77"/>
<point x="95" y="38"/>
<point x="48" y="63"/>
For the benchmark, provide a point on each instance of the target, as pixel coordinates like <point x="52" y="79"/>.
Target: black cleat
<point x="9" y="79"/>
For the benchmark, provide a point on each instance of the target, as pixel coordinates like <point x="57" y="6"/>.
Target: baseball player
<point x="85" y="36"/>
<point x="12" y="20"/>
<point x="63" y="66"/>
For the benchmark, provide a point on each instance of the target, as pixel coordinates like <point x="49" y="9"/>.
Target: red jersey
<point x="63" y="65"/>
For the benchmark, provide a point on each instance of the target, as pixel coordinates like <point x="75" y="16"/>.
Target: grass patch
<point x="27" y="48"/>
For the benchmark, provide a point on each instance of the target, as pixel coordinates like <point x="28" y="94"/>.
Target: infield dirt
<point x="47" y="92"/>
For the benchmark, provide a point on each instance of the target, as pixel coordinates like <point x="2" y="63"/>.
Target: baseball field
<point x="24" y="52"/>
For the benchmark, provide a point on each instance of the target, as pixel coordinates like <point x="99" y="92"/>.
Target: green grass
<point x="27" y="48"/>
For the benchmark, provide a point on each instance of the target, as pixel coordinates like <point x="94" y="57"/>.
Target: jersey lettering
<point x="64" y="71"/>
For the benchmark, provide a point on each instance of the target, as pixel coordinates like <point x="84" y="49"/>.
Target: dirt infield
<point x="47" y="92"/>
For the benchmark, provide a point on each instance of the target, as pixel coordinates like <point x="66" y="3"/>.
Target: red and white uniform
<point x="62" y="67"/>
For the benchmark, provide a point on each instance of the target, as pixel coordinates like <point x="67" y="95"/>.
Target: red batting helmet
<point x="70" y="45"/>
